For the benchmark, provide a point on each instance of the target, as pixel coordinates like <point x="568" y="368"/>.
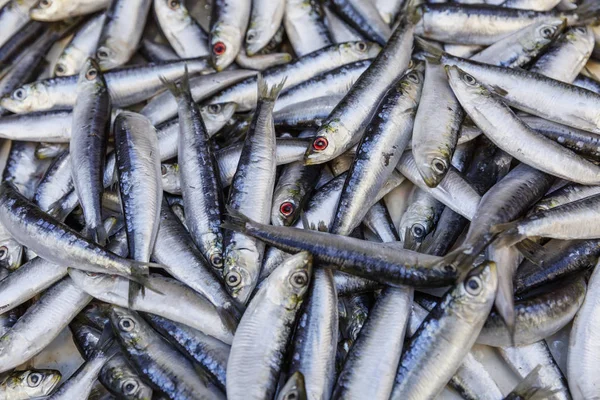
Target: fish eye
<point x="233" y="279"/>
<point x="320" y="143"/>
<point x="581" y="30"/>
<point x="250" y="35"/>
<point x="102" y="54"/>
<point x="547" y="32"/>
<point x="130" y="386"/>
<point x="438" y="165"/>
<point x="219" y="48"/>
<point x="163" y="170"/>
<point x="449" y="268"/>
<point x="361" y="46"/>
<point x="473" y="286"/>
<point x="91" y="74"/>
<point x="299" y="279"/>
<point x="126" y="324"/>
<point x="92" y="274"/>
<point x="60" y="69"/>
<point x="3" y="252"/>
<point x="19" y="94"/>
<point x="286" y="209"/>
<point x="469" y="80"/>
<point x="414" y="78"/>
<point x="291" y="396"/>
<point x="45" y="3"/>
<point x="34" y="379"/>
<point x="216" y="260"/>
<point x="418" y="231"/>
<point x="173" y="4"/>
<point x="214" y="108"/>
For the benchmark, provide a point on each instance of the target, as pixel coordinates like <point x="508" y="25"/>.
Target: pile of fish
<point x="300" y="199"/>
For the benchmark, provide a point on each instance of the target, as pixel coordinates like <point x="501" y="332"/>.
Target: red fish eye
<point x="219" y="48"/>
<point x="320" y="144"/>
<point x="286" y="208"/>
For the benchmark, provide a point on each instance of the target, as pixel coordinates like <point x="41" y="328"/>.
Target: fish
<point x="87" y="147"/>
<point x="29" y="383"/>
<point x="228" y="22"/>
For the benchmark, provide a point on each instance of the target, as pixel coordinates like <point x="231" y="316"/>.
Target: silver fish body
<point x="57" y="10"/>
<point x="228" y="24"/>
<point x="305" y="26"/>
<point x="182" y="31"/>
<point x="23" y="385"/>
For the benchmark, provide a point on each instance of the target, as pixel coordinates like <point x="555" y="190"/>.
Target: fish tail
<point x="177" y="89"/>
<point x="529" y="387"/>
<point x="534" y="252"/>
<point x="228" y="318"/>
<point x="434" y="53"/>
<point x="105" y="347"/>
<point x="508" y="234"/>
<point x="236" y="221"/>
<point x="264" y="93"/>
<point x="587" y="13"/>
<point x="412" y="11"/>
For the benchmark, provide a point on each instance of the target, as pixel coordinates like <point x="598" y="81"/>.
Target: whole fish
<point x="199" y="178"/>
<point x="265" y="330"/>
<point x="454" y="324"/>
<point x="251" y="193"/>
<point x="89" y="136"/>
<point x="342" y="129"/>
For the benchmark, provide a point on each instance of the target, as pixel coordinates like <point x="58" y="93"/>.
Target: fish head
<point x="27" y="98"/>
<point x="112" y="53"/>
<point x="477" y="291"/>
<point x="257" y="36"/>
<point x="434" y="166"/>
<point x="466" y="87"/>
<point x="172" y="10"/>
<point x="215" y="116"/>
<point x="46" y="10"/>
<point x="538" y="36"/>
<point x="224" y="45"/>
<point x="127" y="385"/>
<point x="11" y="254"/>
<point x="128" y="325"/>
<point x="411" y="82"/>
<point x="66" y="64"/>
<point x="294" y="388"/>
<point x="289" y="282"/>
<point x="238" y="276"/>
<point x="285" y="208"/>
<point x="581" y="37"/>
<point x="170" y="177"/>
<point x="35" y="382"/>
<point x="323" y="148"/>
<point x="355" y="51"/>
<point x="90" y="76"/>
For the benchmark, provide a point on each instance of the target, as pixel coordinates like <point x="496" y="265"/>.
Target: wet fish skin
<point x="363" y="16"/>
<point x="87" y="147"/>
<point x="182" y="31"/>
<point x="161" y="363"/>
<point x="41" y="323"/>
<point x="294" y="388"/>
<point x="57" y="10"/>
<point x="211" y="353"/>
<point x="122" y="31"/>
<point x="265" y="330"/>
<point x="13" y="16"/>
<point x="305" y="26"/>
<point x="266" y="17"/>
<point x="82" y="46"/>
<point x="536" y="318"/>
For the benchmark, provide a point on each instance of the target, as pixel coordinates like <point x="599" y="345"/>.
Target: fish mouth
<point x="51" y="383"/>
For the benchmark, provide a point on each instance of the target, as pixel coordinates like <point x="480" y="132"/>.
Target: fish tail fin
<point x="105" y="346"/>
<point x="236" y="221"/>
<point x="508" y="234"/>
<point x="178" y="89"/>
<point x="228" y="318"/>
<point x="434" y="52"/>
<point x="139" y="280"/>
<point x="412" y="11"/>
<point x="534" y="252"/>
<point x="529" y="387"/>
<point x="587" y="13"/>
<point x="266" y="93"/>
